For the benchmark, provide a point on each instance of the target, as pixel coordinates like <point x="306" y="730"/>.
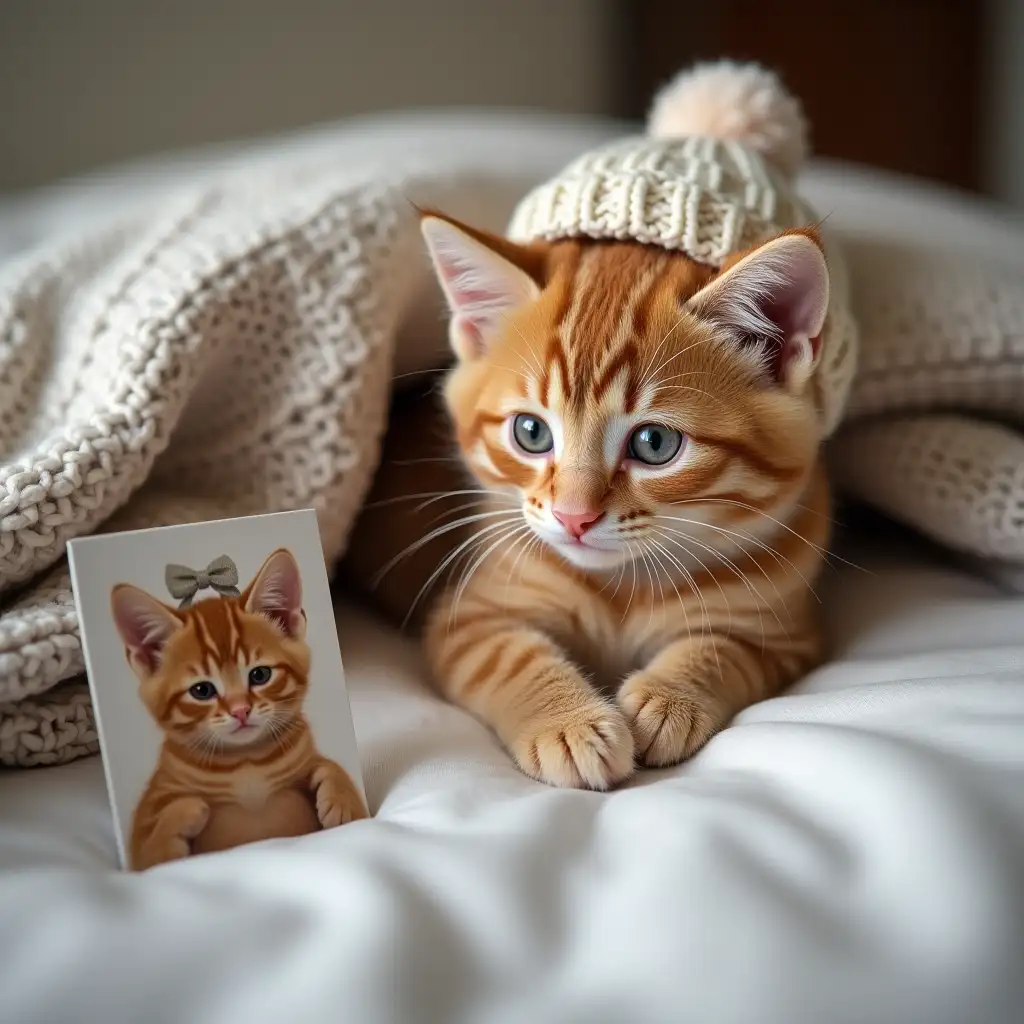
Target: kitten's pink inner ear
<point x="482" y="287"/>
<point x="773" y="302"/>
<point x="277" y="593"/>
<point x="144" y="624"/>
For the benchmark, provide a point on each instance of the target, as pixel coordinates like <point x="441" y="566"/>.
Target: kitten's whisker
<point x="650" y="583"/>
<point x="649" y="376"/>
<point x="501" y="529"/>
<point x="617" y="577"/>
<point x="433" y="535"/>
<point x="735" y="570"/>
<point x="531" y="359"/>
<point x="682" y="387"/>
<point x="433" y="495"/>
<point x="476" y="565"/>
<point x="451" y="511"/>
<point x="685" y="373"/>
<point x="476" y="538"/>
<point x="528" y="546"/>
<point x="721" y="589"/>
<point x="663" y="386"/>
<point x="529" y="348"/>
<point x="822" y="552"/>
<point x="675" y="587"/>
<point x="632" y="589"/>
<point x="705" y="622"/>
<point x="661" y="344"/>
<point x="741" y="576"/>
<point x="451" y="494"/>
<point x="693" y="586"/>
<point x="416" y="462"/>
<point x="725" y="560"/>
<point x="512" y="369"/>
<point x="420" y="373"/>
<point x="779" y="558"/>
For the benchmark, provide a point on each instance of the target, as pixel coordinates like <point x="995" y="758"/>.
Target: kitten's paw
<point x="588" y="748"/>
<point x="670" y="721"/>
<point x="337" y="800"/>
<point x="187" y="817"/>
<point x="161" y="851"/>
<point x="180" y="822"/>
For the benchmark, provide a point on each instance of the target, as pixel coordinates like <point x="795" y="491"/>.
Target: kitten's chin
<point x="238" y="739"/>
<point x="595" y="559"/>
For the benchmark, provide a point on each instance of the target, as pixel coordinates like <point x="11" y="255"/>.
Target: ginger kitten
<point x="637" y="404"/>
<point x="225" y="679"/>
<point x="652" y="509"/>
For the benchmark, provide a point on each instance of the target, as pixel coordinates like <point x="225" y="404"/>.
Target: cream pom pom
<point x="726" y="100"/>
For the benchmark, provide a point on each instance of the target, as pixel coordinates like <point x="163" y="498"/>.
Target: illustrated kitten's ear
<point x="481" y="279"/>
<point x="277" y="593"/>
<point x="773" y="303"/>
<point x="145" y="625"/>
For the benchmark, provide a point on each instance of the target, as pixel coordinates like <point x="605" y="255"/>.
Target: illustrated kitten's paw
<point x="337" y="800"/>
<point x="587" y="748"/>
<point x="670" y="721"/>
<point x="179" y="823"/>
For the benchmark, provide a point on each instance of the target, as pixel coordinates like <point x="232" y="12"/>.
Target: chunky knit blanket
<point x="229" y="350"/>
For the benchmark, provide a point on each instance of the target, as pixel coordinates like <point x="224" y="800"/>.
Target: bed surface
<point x="850" y="851"/>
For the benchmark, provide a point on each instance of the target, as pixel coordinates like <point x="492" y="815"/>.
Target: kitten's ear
<point x="483" y="279"/>
<point x="276" y="592"/>
<point x="773" y="302"/>
<point x="145" y="625"/>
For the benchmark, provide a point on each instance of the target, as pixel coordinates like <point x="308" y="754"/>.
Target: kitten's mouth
<point x="575" y="543"/>
<point x="244" y="732"/>
<point x="587" y="555"/>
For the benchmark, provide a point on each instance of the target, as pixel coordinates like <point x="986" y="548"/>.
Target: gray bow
<point x="184" y="583"/>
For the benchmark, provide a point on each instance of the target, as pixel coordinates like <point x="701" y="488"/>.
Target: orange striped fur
<point x="691" y="596"/>
<point x="242" y="764"/>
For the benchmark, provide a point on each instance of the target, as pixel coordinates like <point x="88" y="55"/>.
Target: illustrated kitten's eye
<point x="259" y="675"/>
<point x="532" y="434"/>
<point x="654" y="444"/>
<point x="204" y="690"/>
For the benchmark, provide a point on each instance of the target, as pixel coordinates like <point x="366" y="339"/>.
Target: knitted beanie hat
<point x="712" y="176"/>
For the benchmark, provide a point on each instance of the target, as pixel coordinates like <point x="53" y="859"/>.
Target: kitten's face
<point x="632" y="404"/>
<point x="225" y="673"/>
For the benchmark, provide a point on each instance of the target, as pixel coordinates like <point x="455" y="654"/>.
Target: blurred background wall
<point x="930" y="87"/>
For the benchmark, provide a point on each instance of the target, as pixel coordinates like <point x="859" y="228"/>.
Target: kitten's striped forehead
<point x="219" y="632"/>
<point x="606" y="299"/>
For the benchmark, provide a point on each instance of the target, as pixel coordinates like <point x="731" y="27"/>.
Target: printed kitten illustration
<point x="631" y="560"/>
<point x="225" y="679"/>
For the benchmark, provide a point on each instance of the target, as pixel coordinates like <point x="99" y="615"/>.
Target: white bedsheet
<point x="851" y="851"/>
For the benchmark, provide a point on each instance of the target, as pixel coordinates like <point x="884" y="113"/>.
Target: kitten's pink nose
<point x="241" y="714"/>
<point x="576" y="523"/>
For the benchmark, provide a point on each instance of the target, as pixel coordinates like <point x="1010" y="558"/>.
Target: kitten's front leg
<point x="167" y="834"/>
<point x="517" y="680"/>
<point x="691" y="689"/>
<point x="337" y="800"/>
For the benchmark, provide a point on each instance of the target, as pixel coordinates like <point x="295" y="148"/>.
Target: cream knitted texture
<point x="214" y="363"/>
<point x="705" y="197"/>
<point x="223" y="353"/>
<point x="230" y="352"/>
<point x="933" y="435"/>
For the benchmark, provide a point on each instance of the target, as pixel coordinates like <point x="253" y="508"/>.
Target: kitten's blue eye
<point x="654" y="444"/>
<point x="532" y="434"/>
<point x="260" y="675"/>
<point x="203" y="691"/>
